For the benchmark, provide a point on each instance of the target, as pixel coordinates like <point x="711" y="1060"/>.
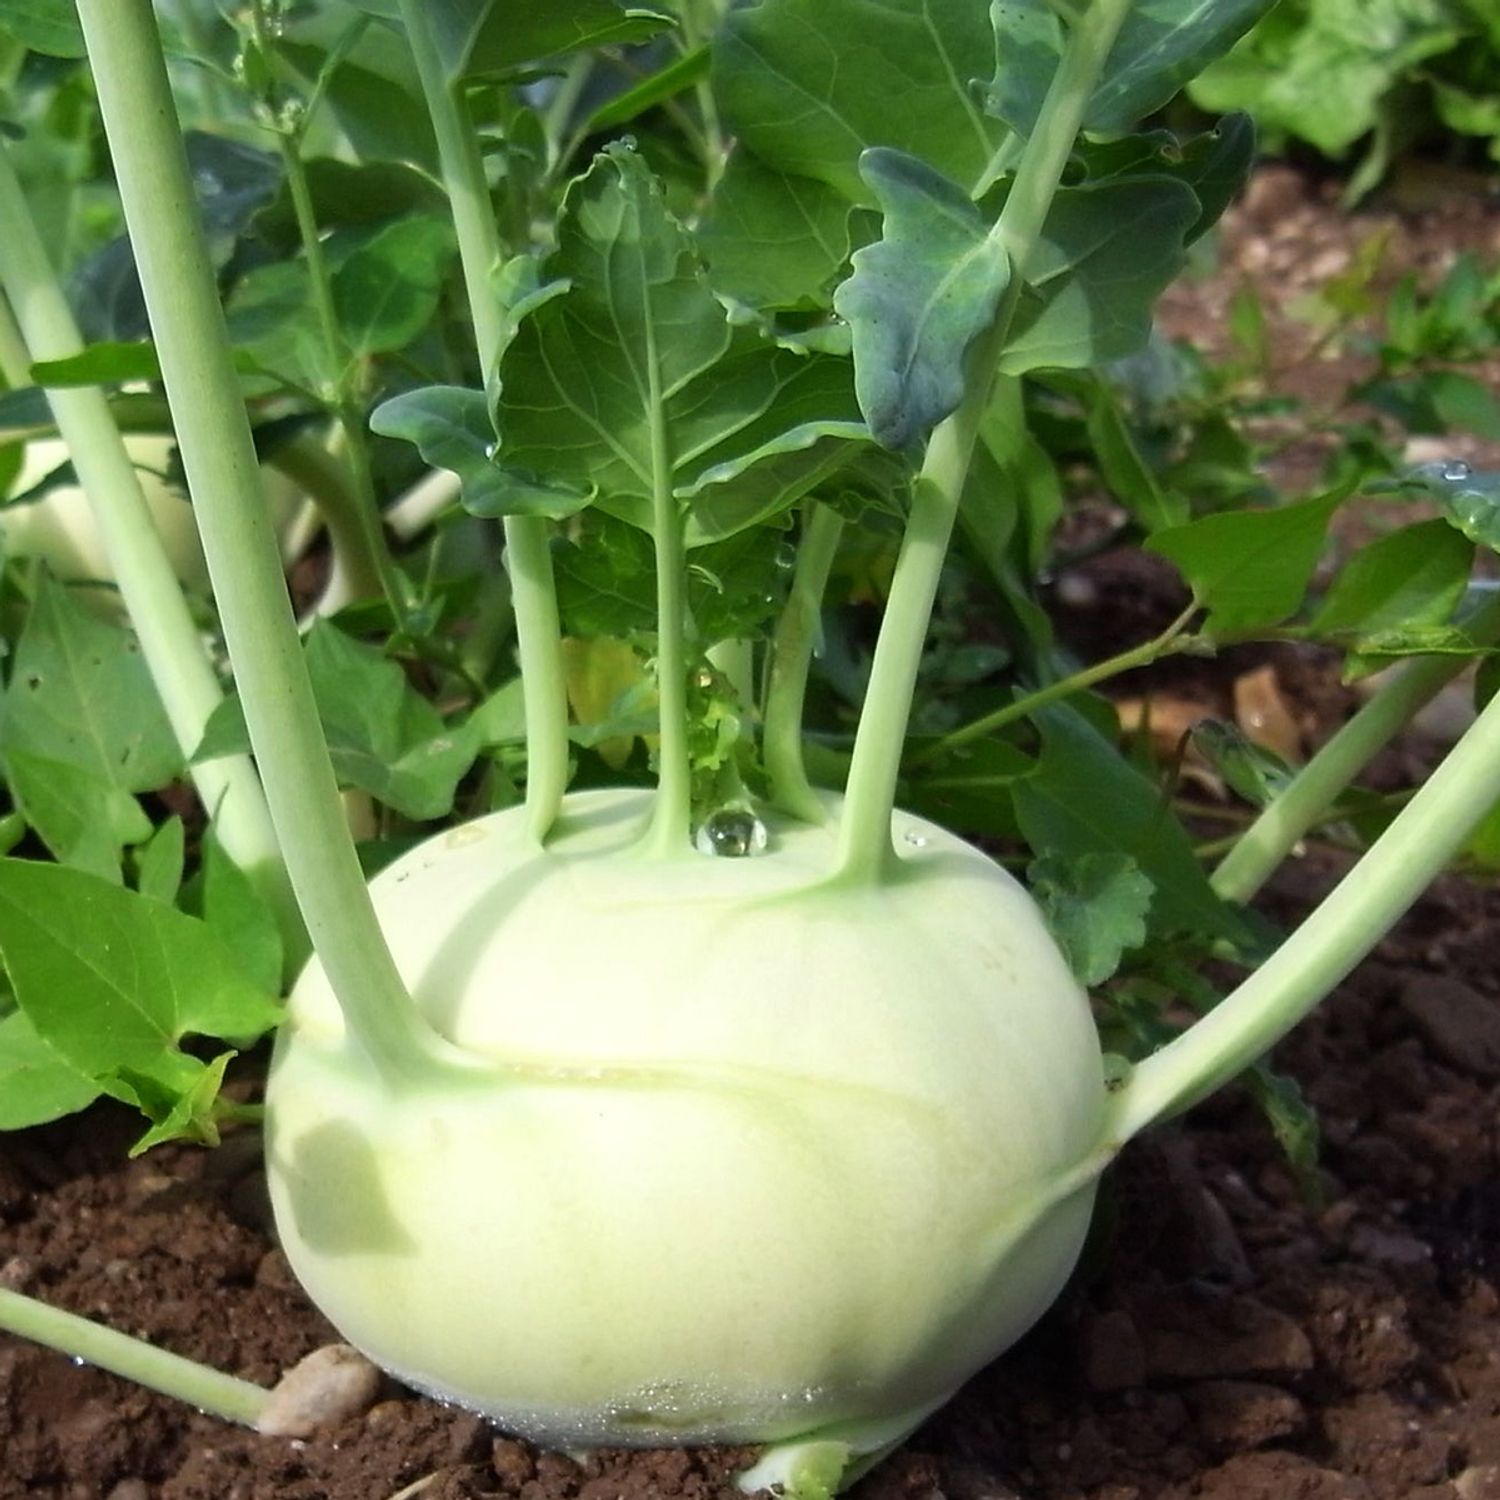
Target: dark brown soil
<point x="1224" y="1340"/>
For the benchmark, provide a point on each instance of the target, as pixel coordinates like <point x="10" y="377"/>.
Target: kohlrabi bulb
<point x="761" y="1155"/>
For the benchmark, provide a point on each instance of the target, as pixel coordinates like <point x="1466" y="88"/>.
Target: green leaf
<point x="1096" y="906"/>
<point x="159" y="864"/>
<point x="667" y="82"/>
<point x="36" y="1084"/>
<point x="107" y="363"/>
<point x="636" y="368"/>
<point x="1250" y="569"/>
<point x="1161" y="45"/>
<point x="1293" y="1122"/>
<point x="274" y="326"/>
<point x="1107" y="251"/>
<point x="1247" y="769"/>
<point x="384" y="737"/>
<point x="386" y="291"/>
<point x="1084" y="798"/>
<point x="183" y="1112"/>
<point x="918" y="298"/>
<point x="113" y="981"/>
<point x="83" y="819"/>
<point x="1470" y="499"/>
<point x="807" y="85"/>
<point x="1125" y="471"/>
<point x="501" y="718"/>
<point x="349" y="195"/>
<point x="1414" y="576"/>
<point x="773" y="240"/>
<point x="1383" y="647"/>
<point x="452" y="429"/>
<point x="224" y="897"/>
<point x="80" y="692"/>
<point x="48" y="26"/>
<point x="485" y="38"/>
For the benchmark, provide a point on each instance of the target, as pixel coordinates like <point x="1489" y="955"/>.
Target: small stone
<point x="512" y="1463"/>
<point x="130" y="1489"/>
<point x="1382" y="1248"/>
<point x="15" y="1273"/>
<point x="1460" y="1025"/>
<point x="1481" y="1482"/>
<point x="331" y="1384"/>
<point x="1111" y="1352"/>
<point x="274" y="1273"/>
<point x="1242" y="1414"/>
<point x="1192" y="1333"/>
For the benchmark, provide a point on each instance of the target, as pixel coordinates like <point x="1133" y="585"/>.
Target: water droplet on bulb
<point x="492" y="450"/>
<point x="786" y="556"/>
<point x="1455" y="470"/>
<point x="914" y="839"/>
<point x="731" y="833"/>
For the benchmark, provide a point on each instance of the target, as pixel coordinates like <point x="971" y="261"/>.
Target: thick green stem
<point x="1169" y="641"/>
<point x="170" y="641"/>
<point x="527" y="539"/>
<point x="1421" y="840"/>
<point x="1275" y="833"/>
<point x="671" y="812"/>
<point x="792" y="649"/>
<point x="244" y="563"/>
<point x="184" y="1379"/>
<point x="865" y="847"/>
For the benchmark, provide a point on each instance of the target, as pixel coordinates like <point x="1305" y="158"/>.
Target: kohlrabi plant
<point x="683" y="369"/>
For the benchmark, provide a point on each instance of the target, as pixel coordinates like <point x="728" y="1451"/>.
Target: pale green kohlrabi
<point x="759" y="1154"/>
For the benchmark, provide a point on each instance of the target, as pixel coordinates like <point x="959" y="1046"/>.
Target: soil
<point x="1225" y="1338"/>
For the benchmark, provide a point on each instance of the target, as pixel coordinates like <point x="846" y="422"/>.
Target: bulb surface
<point x="761" y="1155"/>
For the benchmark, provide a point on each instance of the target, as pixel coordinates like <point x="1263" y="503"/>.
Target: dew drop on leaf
<point x="731" y="833"/>
<point x="1455" y="471"/>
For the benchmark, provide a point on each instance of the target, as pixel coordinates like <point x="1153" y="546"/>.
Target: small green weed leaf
<point x="384" y="737"/>
<point x="275" y="327"/>
<point x="223" y="896"/>
<point x="1162" y="44"/>
<point x="1096" y="906"/>
<point x="773" y="240"/>
<point x="112" y="980"/>
<point x="1107" y="251"/>
<point x="1383" y="647"/>
<point x="1125" y="471"/>
<point x="83" y="819"/>
<point x="80" y="692"/>
<point x="1083" y="798"/>
<point x="667" y="82"/>
<point x="452" y="429"/>
<point x="638" y="349"/>
<point x="806" y="85"/>
<point x="386" y="290"/>
<point x="1249" y="568"/>
<point x="501" y="718"/>
<point x="1293" y="1122"/>
<point x="1470" y="499"/>
<point x="1414" y="576"/>
<point x="919" y="296"/>
<point x="47" y="26"/>
<point x="184" y="1113"/>
<point x="36" y="1084"/>
<point x="1247" y="769"/>
<point x="109" y="363"/>
<point x="159" y="863"/>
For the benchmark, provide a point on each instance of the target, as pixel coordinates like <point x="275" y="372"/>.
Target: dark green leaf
<point x="808" y="84"/>
<point x="109" y="363"/>
<point x="1414" y="576"/>
<point x="1125" y="471"/>
<point x="639" y="347"/>
<point x="1470" y="499"/>
<point x="1084" y="798"/>
<point x="1160" y="46"/>
<point x="1250" y="568"/>
<point x="452" y="429"/>
<point x="1247" y="769"/>
<point x="113" y="981"/>
<point x="772" y="240"/>
<point x="483" y="38"/>
<point x="1293" y="1122"/>
<point x="237" y="914"/>
<point x="349" y="195"/>
<point x="36" y="1084"/>
<point x="675" y="77"/>
<point x="919" y="296"/>
<point x="1106" y="253"/>
<point x="387" y="290"/>
<point x="1096" y="906"/>
<point x="49" y="26"/>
